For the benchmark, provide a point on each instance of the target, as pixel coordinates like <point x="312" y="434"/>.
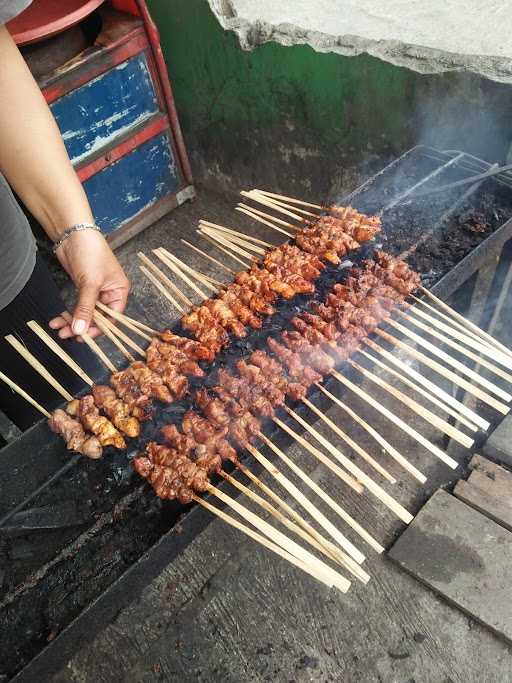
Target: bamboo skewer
<point x="21" y="392"/>
<point x="58" y="351"/>
<point x="466" y="322"/>
<point x="168" y="284"/>
<point x="325" y="523"/>
<point x="133" y="325"/>
<point x="289" y="199"/>
<point x="236" y="240"/>
<point x="326" y="546"/>
<point x="210" y="258"/>
<point x="267" y="202"/>
<point x="465" y="337"/>
<point x="422" y="392"/>
<point x="264" y="542"/>
<point x="461" y="349"/>
<point x="350" y="565"/>
<point x="361" y="531"/>
<point x="465" y="330"/>
<point x="445" y="372"/>
<point x="177" y="271"/>
<point x="361" y="476"/>
<point x="269" y="216"/>
<point x="420" y="410"/>
<point x="391" y="450"/>
<point x="216" y="236"/>
<point x="286" y="205"/>
<point x="241" y="235"/>
<point x="263" y="217"/>
<point x="200" y="277"/>
<point x="457" y="365"/>
<point x="221" y="248"/>
<point x="281" y="539"/>
<point x="38" y="367"/>
<point x="344" y="476"/>
<point x="152" y="278"/>
<point x="93" y="346"/>
<point x="471" y="417"/>
<point x="396" y="420"/>
<point x="121" y="335"/>
<point x="100" y="321"/>
<point x="355" y="446"/>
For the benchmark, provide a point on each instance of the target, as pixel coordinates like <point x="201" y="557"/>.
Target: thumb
<point x="82" y="315"/>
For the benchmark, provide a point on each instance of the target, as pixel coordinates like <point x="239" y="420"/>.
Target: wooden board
<point x="489" y="490"/>
<point x="462" y="555"/>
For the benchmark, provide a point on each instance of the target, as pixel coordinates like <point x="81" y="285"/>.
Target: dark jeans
<point x="39" y="300"/>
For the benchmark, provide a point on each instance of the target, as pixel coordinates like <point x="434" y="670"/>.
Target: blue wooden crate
<point x="134" y="183"/>
<point x="95" y="115"/>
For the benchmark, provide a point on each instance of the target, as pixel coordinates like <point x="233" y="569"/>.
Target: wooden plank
<point x="496" y="508"/>
<point x="499" y="445"/>
<point x="463" y="556"/>
<point x="491" y="470"/>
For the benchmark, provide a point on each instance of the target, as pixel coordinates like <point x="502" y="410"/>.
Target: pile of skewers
<point x="357" y="316"/>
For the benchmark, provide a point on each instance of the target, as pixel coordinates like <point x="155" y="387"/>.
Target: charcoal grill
<point x="65" y="584"/>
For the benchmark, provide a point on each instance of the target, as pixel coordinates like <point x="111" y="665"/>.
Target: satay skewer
<point x="38" y="367"/>
<point x="354" y="484"/>
<point x="457" y="365"/>
<point x="283" y="197"/>
<point x="268" y="216"/>
<point x="241" y="235"/>
<point x="236" y="240"/>
<point x="177" y="271"/>
<point x="281" y="539"/>
<point x="355" y="446"/>
<point x="416" y="407"/>
<point x="396" y="420"/>
<point x="243" y="208"/>
<point x="132" y="324"/>
<point x="59" y="351"/>
<point x="286" y="205"/>
<point x="343" y="514"/>
<point x="267" y="202"/>
<point x="221" y="248"/>
<point x="358" y="473"/>
<point x="391" y="450"/>
<point x="227" y="243"/>
<point x="461" y="349"/>
<point x="93" y="346"/>
<point x="210" y="258"/>
<point x="21" y="392"/>
<point x="100" y="322"/>
<point x="121" y="335"/>
<point x="328" y="547"/>
<point x="163" y="290"/>
<point x="418" y="389"/>
<point x="262" y="540"/>
<point x="461" y="328"/>
<point x="199" y="277"/>
<point x="165" y="281"/>
<point x="466" y="323"/>
<point x="323" y="521"/>
<point x="433" y="388"/>
<point x="349" y="565"/>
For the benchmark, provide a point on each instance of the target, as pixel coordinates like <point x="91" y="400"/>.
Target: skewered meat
<point x="73" y="434"/>
<point x="128" y="390"/>
<point x="119" y="412"/>
<point x="95" y="423"/>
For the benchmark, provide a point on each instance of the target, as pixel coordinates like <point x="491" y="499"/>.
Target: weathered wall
<point x="298" y="120"/>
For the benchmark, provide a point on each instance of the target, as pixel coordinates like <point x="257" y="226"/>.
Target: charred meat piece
<point x="119" y="412"/>
<point x="73" y="434"/>
<point x="97" y="424"/>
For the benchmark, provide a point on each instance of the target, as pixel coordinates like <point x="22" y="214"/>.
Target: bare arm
<point x="35" y="162"/>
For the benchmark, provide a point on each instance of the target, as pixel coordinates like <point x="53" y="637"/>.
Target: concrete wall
<point x="297" y="120"/>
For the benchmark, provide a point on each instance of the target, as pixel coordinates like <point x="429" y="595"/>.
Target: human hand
<point x="97" y="275"/>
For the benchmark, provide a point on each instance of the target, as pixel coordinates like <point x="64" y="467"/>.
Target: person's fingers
<point x="65" y="332"/>
<point x="116" y="298"/>
<point x="84" y="309"/>
<point x="57" y="323"/>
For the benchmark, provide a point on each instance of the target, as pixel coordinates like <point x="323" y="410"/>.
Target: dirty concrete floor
<point x="227" y="610"/>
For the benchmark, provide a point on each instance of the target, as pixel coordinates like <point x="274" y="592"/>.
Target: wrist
<point x="72" y="230"/>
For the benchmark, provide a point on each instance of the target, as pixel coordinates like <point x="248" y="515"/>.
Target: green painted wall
<point x="296" y="119"/>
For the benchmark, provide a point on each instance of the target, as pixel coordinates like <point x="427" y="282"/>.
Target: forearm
<point x="32" y="155"/>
